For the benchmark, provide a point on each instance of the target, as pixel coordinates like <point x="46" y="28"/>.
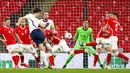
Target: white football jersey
<point x="33" y="22"/>
<point x="50" y="23"/>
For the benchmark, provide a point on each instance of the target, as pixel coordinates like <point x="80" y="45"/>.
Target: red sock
<point x="16" y="60"/>
<point x="95" y="59"/>
<point x="22" y="59"/>
<point x="78" y="51"/>
<point x="108" y="58"/>
<point x="51" y="58"/>
<point x="91" y="44"/>
<point x="123" y="56"/>
<point x="38" y="59"/>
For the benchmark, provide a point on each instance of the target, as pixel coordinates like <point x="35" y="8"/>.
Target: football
<point x="68" y="35"/>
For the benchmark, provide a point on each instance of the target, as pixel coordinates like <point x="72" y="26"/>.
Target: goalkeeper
<point x="83" y="35"/>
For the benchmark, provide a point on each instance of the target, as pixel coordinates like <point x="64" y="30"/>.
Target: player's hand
<point x="20" y="41"/>
<point x="82" y="44"/>
<point x="121" y="29"/>
<point x="71" y="43"/>
<point x="47" y="24"/>
<point x="4" y="41"/>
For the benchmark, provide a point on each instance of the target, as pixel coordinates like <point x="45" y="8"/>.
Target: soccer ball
<point x="68" y="35"/>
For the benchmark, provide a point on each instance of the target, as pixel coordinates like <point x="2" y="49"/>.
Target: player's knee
<point x="96" y="53"/>
<point x="107" y="42"/>
<point x="15" y="54"/>
<point x="20" y="53"/>
<point x="116" y="53"/>
<point x="35" y="54"/>
<point x="71" y="52"/>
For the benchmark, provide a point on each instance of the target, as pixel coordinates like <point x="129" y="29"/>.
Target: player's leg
<point x="114" y="41"/>
<point x="96" y="56"/>
<point x="68" y="60"/>
<point x="15" y="55"/>
<point x="65" y="48"/>
<point x="48" y="46"/>
<point x="29" y="48"/>
<point x="121" y="55"/>
<point x="43" y="55"/>
<point x="77" y="46"/>
<point x="38" y="37"/>
<point x="51" y="59"/>
<point x="98" y="50"/>
<point x="94" y="53"/>
<point x="22" y="60"/>
<point x="109" y="55"/>
<point x="15" y="58"/>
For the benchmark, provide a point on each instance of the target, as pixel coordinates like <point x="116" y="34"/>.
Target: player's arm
<point x="91" y="37"/>
<point x="74" y="38"/>
<point x="20" y="19"/>
<point x="52" y="26"/>
<point x="43" y="26"/>
<point x="17" y="36"/>
<point x="120" y="28"/>
<point x="76" y="35"/>
<point x="24" y="17"/>
<point x="50" y="32"/>
<point x="105" y="28"/>
<point x="2" y="39"/>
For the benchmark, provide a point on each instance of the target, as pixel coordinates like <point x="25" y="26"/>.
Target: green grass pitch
<point x="35" y="70"/>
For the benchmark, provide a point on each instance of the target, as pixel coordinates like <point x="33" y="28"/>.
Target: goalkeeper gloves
<point x="71" y="43"/>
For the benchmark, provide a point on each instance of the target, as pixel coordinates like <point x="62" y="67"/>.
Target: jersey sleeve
<point x="76" y="34"/>
<point x="110" y="20"/>
<point x="27" y="16"/>
<point x="16" y="30"/>
<point x="48" y="32"/>
<point x="91" y="36"/>
<point x="52" y="25"/>
<point x="1" y="30"/>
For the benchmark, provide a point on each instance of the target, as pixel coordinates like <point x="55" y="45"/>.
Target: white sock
<point x="50" y="48"/>
<point x="43" y="58"/>
<point x="36" y="55"/>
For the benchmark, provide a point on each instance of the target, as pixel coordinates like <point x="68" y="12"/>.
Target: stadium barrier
<point x="77" y="61"/>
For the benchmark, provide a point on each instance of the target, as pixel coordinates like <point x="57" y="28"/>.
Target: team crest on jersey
<point x="25" y="31"/>
<point x="88" y="33"/>
<point x="9" y="31"/>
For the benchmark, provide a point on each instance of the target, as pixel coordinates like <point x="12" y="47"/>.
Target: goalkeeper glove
<point x="71" y="43"/>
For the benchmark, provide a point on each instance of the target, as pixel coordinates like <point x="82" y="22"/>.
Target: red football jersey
<point x="55" y="37"/>
<point x="114" y="25"/>
<point x="23" y="34"/>
<point x="8" y="34"/>
<point x="101" y="33"/>
<point x="103" y="22"/>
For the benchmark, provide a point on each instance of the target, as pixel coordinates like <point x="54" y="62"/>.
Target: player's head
<point x="107" y="15"/>
<point x="37" y="12"/>
<point x="85" y="24"/>
<point x="45" y="16"/>
<point x="23" y="23"/>
<point x="113" y="14"/>
<point x="7" y="21"/>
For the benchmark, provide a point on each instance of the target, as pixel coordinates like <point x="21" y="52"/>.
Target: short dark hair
<point x="7" y="18"/>
<point x="114" y="13"/>
<point x="36" y="10"/>
<point x="85" y="20"/>
<point x="45" y="12"/>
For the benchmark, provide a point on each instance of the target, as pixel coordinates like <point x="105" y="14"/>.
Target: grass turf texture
<point x="33" y="70"/>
